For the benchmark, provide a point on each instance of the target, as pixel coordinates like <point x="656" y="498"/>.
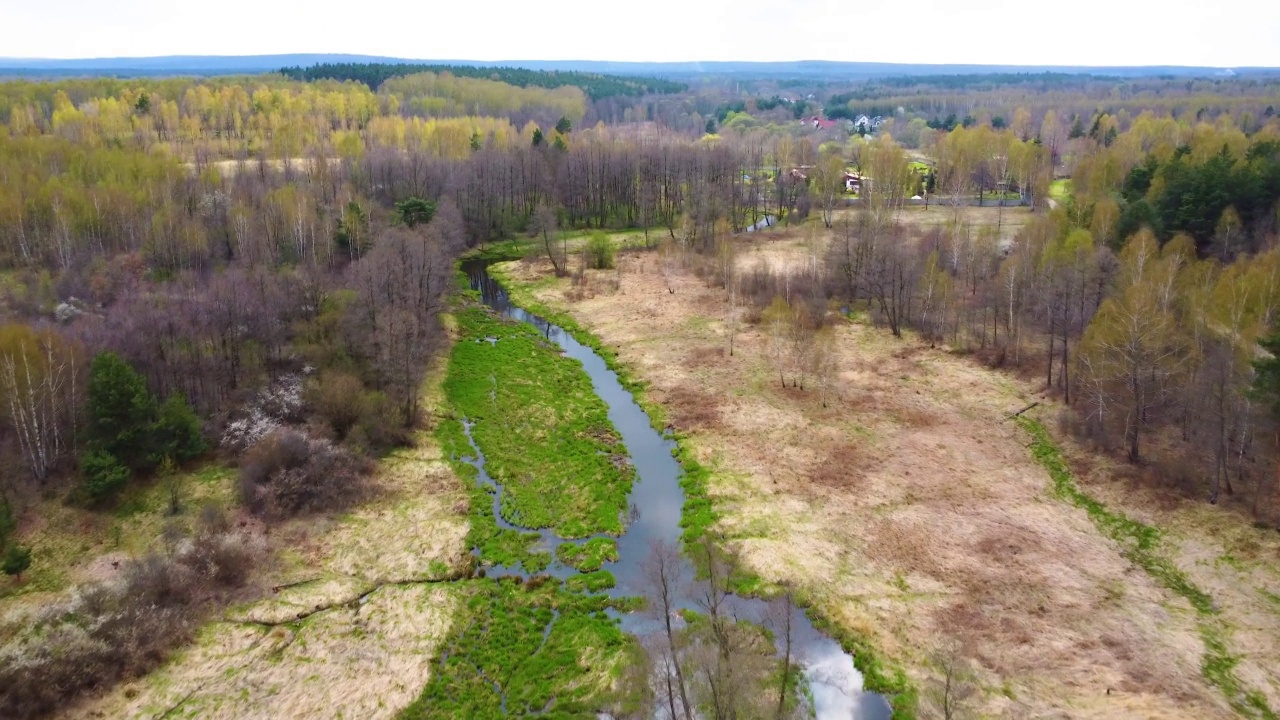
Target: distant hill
<point x="813" y="69"/>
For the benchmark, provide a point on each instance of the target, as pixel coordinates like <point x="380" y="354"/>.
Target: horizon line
<point x="396" y="59"/>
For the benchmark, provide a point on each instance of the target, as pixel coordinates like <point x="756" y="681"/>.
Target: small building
<point x="818" y="123"/>
<point x="868" y="124"/>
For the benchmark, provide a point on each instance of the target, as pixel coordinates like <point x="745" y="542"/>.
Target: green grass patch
<point x="1141" y="545"/>
<point x="592" y="582"/>
<point x="545" y="434"/>
<point x="538" y="646"/>
<point x="1060" y="190"/>
<point x="589" y="556"/>
<point x="496" y="546"/>
<point x="505" y="250"/>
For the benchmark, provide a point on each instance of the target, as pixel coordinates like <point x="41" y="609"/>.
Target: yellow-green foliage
<point x="446" y="95"/>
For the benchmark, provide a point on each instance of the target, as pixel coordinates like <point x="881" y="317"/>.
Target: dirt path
<point x="909" y="508"/>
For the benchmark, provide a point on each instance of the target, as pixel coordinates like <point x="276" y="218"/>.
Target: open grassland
<point x="1002" y="223"/>
<point x="1143" y="545"/>
<point x="912" y="513"/>
<point x="545" y="434"/>
<point x="354" y="610"/>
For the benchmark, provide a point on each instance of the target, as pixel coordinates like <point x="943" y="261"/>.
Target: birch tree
<point x="40" y="377"/>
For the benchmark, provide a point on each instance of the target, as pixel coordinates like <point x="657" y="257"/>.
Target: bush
<point x="288" y="474"/>
<point x="7" y="522"/>
<point x="16" y="560"/>
<point x="103" y="474"/>
<point x="600" y="251"/>
<point x="381" y="426"/>
<point x="338" y="398"/>
<point x="221" y="558"/>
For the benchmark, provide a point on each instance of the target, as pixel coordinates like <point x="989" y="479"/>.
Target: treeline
<point x="1246" y="103"/>
<point x="596" y="86"/>
<point x="442" y="95"/>
<point x="984" y="81"/>
<point x="267" y="117"/>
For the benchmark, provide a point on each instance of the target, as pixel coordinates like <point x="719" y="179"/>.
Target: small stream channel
<point x="656" y="502"/>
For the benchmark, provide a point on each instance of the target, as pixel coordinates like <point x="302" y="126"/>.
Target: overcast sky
<point x="1226" y="33"/>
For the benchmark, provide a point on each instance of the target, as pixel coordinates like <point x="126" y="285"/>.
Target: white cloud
<point x="1087" y="32"/>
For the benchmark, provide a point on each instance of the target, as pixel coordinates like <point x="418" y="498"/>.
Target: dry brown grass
<point x="1005" y="222"/>
<point x="909" y="509"/>
<point x="1221" y="552"/>
<point x="367" y="661"/>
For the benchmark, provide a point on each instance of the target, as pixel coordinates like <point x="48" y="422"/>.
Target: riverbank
<point x="910" y="512"/>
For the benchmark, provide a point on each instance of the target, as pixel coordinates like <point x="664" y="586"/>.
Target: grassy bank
<point x="545" y="434"/>
<point x="525" y="649"/>
<point x="1141" y="545"/>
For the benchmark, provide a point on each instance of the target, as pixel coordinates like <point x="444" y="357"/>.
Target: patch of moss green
<point x="495" y="545"/>
<point x="521" y="649"/>
<point x="545" y="434"/>
<point x="593" y="582"/>
<point x="1141" y="545"/>
<point x="589" y="556"/>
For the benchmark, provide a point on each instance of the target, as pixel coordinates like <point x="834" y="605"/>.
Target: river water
<point x="656" y="501"/>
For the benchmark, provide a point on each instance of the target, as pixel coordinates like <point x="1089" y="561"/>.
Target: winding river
<point x="656" y="501"/>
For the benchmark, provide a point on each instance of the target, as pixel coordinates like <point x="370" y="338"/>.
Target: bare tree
<point x="781" y="616"/>
<point x="544" y="223"/>
<point x="950" y="687"/>
<point x="664" y="574"/>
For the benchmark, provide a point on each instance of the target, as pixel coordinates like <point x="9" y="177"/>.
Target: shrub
<point x="287" y="474"/>
<point x="338" y="398"/>
<point x="224" y="559"/>
<point x="16" y="560"/>
<point x="381" y="424"/>
<point x="600" y="251"/>
<point x="7" y="522"/>
<point x="103" y="474"/>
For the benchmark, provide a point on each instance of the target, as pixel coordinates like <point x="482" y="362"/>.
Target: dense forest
<point x="595" y="86"/>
